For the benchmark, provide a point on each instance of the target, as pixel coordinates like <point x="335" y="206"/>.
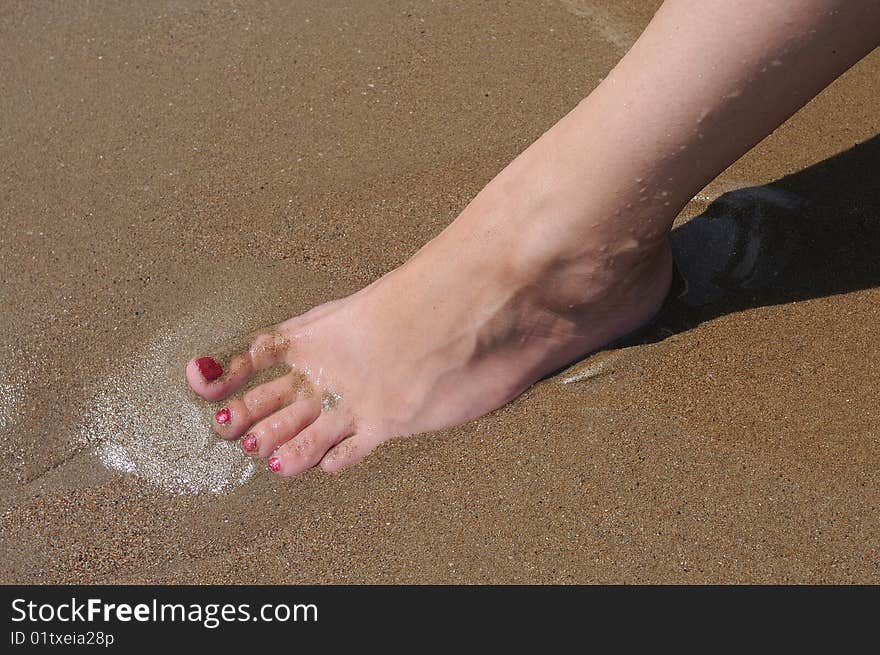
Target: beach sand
<point x="177" y="175"/>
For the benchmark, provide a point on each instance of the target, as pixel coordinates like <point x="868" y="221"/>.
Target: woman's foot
<point x="566" y="250"/>
<point x="497" y="301"/>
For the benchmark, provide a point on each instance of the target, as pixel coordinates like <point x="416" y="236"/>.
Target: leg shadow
<point x="811" y="234"/>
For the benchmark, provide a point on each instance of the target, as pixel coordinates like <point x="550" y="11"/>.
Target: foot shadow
<point x="811" y="234"/>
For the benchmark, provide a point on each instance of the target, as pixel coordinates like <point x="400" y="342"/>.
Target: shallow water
<point x="145" y="423"/>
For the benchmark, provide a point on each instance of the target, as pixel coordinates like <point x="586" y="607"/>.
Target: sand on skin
<point x="160" y="161"/>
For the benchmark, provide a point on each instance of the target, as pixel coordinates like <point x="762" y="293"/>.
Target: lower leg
<point x="704" y="83"/>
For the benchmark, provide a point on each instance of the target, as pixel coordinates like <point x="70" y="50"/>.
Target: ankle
<point x="623" y="274"/>
<point x="572" y="263"/>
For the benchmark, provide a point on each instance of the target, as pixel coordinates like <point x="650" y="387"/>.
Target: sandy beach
<point x="176" y="175"/>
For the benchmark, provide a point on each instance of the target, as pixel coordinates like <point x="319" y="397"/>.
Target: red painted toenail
<point x="209" y="368"/>
<point x="274" y="464"/>
<point x="223" y="416"/>
<point x="249" y="443"/>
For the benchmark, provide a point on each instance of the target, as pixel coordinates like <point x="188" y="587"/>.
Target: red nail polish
<point x="209" y="368"/>
<point x="274" y="464"/>
<point x="249" y="443"/>
<point x="223" y="416"/>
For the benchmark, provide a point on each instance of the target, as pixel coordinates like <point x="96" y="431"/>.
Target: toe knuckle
<point x="304" y="445"/>
<point x="268" y="347"/>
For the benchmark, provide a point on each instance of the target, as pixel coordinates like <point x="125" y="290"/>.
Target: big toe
<point x="211" y="381"/>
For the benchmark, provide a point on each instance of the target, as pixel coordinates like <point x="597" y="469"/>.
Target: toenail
<point x="274" y="464"/>
<point x="209" y="368"/>
<point x="223" y="416"/>
<point x="249" y="443"/>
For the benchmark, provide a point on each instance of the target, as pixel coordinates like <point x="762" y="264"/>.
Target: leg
<point x="564" y="251"/>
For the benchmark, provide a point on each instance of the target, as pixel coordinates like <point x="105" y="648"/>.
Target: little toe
<point x="208" y="378"/>
<point x="280" y="427"/>
<point x="232" y="420"/>
<point x="347" y="452"/>
<point x="308" y="447"/>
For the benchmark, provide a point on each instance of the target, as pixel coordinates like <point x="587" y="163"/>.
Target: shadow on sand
<point x="811" y="234"/>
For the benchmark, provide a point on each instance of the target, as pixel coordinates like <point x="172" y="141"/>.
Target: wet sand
<point x="174" y="177"/>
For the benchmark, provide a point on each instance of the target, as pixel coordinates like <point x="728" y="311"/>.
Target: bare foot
<point x="566" y="250"/>
<point x="494" y="303"/>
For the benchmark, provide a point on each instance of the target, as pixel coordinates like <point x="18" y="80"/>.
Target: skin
<point x="564" y="251"/>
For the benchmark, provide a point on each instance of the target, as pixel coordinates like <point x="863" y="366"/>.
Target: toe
<point x="308" y="447"/>
<point x="347" y="452"/>
<point x="211" y="381"/>
<point x="237" y="415"/>
<point x="280" y="427"/>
